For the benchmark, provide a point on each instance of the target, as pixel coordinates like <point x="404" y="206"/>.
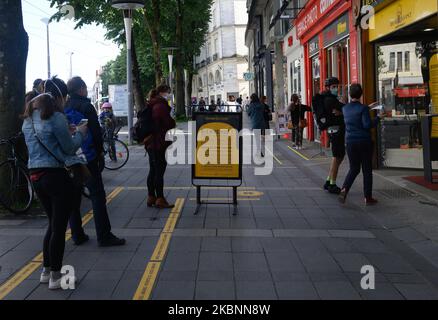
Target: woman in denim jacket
<point x="46" y="128"/>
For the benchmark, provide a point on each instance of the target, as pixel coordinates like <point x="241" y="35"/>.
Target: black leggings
<point x="157" y="168"/>
<point x="360" y="155"/>
<point x="297" y="135"/>
<point x="54" y="190"/>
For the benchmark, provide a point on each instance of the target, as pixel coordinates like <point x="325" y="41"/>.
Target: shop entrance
<point x="337" y="65"/>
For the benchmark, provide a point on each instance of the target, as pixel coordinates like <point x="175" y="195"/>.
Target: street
<point x="289" y="240"/>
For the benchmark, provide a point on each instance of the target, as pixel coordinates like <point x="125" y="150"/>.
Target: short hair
<point x="356" y="91"/>
<point x="75" y="84"/>
<point x="255" y="98"/>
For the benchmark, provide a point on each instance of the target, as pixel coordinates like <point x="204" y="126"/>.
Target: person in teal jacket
<point x="256" y="112"/>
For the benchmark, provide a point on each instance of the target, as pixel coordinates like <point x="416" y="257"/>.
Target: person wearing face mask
<point x="336" y="132"/>
<point x="157" y="145"/>
<point x="79" y="106"/>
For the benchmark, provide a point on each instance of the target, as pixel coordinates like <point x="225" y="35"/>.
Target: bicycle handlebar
<point x="11" y="140"/>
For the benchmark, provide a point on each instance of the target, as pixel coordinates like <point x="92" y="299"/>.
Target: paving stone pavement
<point x="292" y="242"/>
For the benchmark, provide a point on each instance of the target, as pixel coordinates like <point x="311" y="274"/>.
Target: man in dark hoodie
<point x="79" y="106"/>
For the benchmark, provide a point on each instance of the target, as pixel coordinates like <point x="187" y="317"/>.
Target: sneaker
<point x="326" y="185"/>
<point x="55" y="284"/>
<point x="45" y="277"/>
<point x="370" y="201"/>
<point x="334" y="189"/>
<point x="112" y="241"/>
<point x="80" y="241"/>
<point x="343" y="196"/>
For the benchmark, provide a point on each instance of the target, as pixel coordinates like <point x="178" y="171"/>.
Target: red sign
<point x="314" y="10"/>
<point x="290" y="41"/>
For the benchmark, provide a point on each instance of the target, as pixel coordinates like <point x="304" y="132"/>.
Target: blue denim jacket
<point x="56" y="136"/>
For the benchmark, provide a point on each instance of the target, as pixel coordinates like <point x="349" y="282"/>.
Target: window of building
<point x="407" y="61"/>
<point x="391" y="62"/>
<point x="218" y="77"/>
<point x="399" y="61"/>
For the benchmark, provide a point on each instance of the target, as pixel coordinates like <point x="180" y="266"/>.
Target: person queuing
<point x="336" y="132"/>
<point x="50" y="142"/>
<point x="201" y="105"/>
<point x="298" y="118"/>
<point x="256" y="112"/>
<point x="359" y="144"/>
<point x="157" y="145"/>
<point x="78" y="103"/>
<point x="267" y="114"/>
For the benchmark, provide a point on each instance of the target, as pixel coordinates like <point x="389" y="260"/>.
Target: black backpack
<point x="322" y="111"/>
<point x="144" y="126"/>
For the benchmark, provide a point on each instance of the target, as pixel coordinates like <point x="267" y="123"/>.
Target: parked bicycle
<point x="16" y="191"/>
<point x="116" y="152"/>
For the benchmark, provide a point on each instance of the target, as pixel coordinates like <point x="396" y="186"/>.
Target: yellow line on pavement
<point x="299" y="153"/>
<point x="36" y="262"/>
<point x="144" y="290"/>
<point x="150" y="275"/>
<point x="272" y="153"/>
<point x="226" y="199"/>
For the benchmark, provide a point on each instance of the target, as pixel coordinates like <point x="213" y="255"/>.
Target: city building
<point x="268" y="23"/>
<point x="224" y="58"/>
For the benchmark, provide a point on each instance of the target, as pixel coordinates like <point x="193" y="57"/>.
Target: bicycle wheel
<point x="16" y="192"/>
<point x="116" y="154"/>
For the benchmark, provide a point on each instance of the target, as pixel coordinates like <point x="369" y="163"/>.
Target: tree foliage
<point x="155" y="27"/>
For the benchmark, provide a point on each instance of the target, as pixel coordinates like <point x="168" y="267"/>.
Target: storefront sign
<point x="313" y="46"/>
<point x="399" y="14"/>
<point x="218" y="146"/>
<point x="336" y="31"/>
<point x="373" y="3"/>
<point x="314" y="10"/>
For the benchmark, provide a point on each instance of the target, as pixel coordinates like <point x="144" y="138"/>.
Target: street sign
<point x="248" y="76"/>
<point x="118" y="97"/>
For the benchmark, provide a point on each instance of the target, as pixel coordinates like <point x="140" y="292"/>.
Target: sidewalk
<point x="290" y="240"/>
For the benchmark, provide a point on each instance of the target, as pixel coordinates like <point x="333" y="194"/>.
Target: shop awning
<point x="409" y="92"/>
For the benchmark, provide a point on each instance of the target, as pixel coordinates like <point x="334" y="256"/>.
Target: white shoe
<point x="56" y="284"/>
<point x="45" y="277"/>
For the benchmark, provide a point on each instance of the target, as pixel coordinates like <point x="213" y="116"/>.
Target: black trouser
<point x="54" y="191"/>
<point x="297" y="135"/>
<point x="98" y="200"/>
<point x="360" y="155"/>
<point x="77" y="230"/>
<point x="157" y="168"/>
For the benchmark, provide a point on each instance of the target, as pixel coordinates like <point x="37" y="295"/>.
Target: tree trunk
<point x="189" y="87"/>
<point x="154" y="30"/>
<point x="180" y="94"/>
<point x="14" y="43"/>
<point x="136" y="79"/>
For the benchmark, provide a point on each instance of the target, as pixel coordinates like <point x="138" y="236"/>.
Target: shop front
<point x="403" y="44"/>
<point x="329" y="38"/>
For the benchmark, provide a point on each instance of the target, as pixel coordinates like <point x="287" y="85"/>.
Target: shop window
<point x="407" y="61"/>
<point x="391" y="62"/>
<point x="403" y="96"/>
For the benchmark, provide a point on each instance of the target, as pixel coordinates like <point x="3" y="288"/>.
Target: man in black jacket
<point x="78" y="103"/>
<point x="336" y="132"/>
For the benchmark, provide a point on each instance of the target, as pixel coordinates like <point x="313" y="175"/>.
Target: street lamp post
<point x="170" y="57"/>
<point x="46" y="21"/>
<point x="127" y="6"/>
<point x="71" y="63"/>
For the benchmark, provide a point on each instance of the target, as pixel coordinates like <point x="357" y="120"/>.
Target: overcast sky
<point x="90" y="48"/>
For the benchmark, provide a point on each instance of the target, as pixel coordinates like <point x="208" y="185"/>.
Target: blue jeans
<point x="360" y="155"/>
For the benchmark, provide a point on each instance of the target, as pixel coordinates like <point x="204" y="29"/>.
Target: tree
<point x="14" y="43"/>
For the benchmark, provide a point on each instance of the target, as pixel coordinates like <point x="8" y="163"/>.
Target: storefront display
<point x="404" y="42"/>
<point x="326" y="30"/>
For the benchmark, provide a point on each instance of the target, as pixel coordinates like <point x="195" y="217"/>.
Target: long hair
<point x="51" y="100"/>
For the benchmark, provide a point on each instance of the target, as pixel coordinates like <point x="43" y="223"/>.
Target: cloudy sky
<point x="90" y="48"/>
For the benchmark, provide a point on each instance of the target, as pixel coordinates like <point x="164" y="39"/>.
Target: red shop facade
<point x="326" y="29"/>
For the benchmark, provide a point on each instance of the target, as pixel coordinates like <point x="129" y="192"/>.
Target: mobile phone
<point x="83" y="122"/>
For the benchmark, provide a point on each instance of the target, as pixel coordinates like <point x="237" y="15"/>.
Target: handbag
<point x="303" y="123"/>
<point x="78" y="173"/>
<point x="290" y="125"/>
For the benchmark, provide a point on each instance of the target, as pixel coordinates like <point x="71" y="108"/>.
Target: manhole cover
<point x="397" y="193"/>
